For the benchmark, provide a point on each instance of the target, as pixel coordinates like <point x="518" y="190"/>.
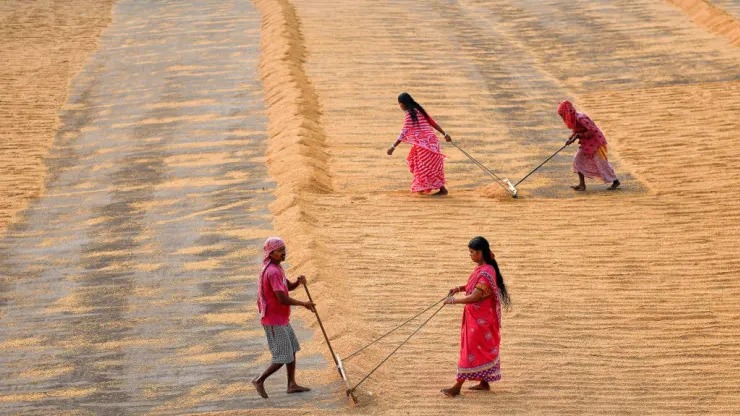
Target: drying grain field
<point x="152" y="146"/>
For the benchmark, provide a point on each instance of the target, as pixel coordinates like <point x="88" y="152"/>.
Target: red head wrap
<point x="568" y="113"/>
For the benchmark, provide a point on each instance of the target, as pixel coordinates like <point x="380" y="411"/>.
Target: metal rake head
<point x="511" y="188"/>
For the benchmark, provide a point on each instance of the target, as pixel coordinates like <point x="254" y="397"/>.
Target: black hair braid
<point x="481" y="244"/>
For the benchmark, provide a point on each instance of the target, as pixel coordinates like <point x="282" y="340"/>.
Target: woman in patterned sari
<point x="591" y="160"/>
<point x="480" y="334"/>
<point x="425" y="159"/>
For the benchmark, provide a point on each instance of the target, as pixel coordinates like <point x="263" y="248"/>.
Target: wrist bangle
<point x="453" y="301"/>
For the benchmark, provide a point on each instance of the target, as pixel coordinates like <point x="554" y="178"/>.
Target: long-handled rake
<point x="338" y="361"/>
<point x="350" y="390"/>
<point x="567" y="143"/>
<point x="503" y="182"/>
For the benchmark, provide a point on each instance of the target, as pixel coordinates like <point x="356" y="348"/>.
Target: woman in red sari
<point x="591" y="160"/>
<point x="425" y="159"/>
<point x="480" y="334"/>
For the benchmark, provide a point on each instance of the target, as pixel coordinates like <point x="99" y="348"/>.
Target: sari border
<point x="484" y="367"/>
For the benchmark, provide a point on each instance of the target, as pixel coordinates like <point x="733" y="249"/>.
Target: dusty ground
<point x="624" y="302"/>
<point x="43" y="44"/>
<point x="129" y="287"/>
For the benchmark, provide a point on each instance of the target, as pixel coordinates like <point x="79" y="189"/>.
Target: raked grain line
<point x="42" y="47"/>
<point x="599" y="277"/>
<point x="711" y="17"/>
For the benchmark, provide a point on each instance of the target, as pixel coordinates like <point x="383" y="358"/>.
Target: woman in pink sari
<point x="480" y="334"/>
<point x="591" y="160"/>
<point x="425" y="159"/>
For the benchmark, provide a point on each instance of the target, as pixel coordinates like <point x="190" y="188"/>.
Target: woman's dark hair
<point x="481" y="244"/>
<point x="412" y="106"/>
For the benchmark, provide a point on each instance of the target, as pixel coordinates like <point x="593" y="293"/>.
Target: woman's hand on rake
<point x="572" y="138"/>
<point x="310" y="306"/>
<point x="447" y="138"/>
<point x="390" y="150"/>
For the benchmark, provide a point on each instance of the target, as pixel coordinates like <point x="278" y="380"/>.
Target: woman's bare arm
<point x="439" y="129"/>
<point x="476" y="296"/>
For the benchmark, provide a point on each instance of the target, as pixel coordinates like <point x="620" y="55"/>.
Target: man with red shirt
<point x="274" y="304"/>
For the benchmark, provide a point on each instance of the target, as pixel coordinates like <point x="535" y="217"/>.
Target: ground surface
<point x="128" y="286"/>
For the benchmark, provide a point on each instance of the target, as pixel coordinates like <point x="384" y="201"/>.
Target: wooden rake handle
<point x="334" y="357"/>
<point x="323" y="331"/>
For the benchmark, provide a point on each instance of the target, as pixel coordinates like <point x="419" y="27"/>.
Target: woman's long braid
<point x="412" y="107"/>
<point x="480" y="243"/>
<point x="500" y="283"/>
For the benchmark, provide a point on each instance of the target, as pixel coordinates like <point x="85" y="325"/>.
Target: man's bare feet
<point x="615" y="185"/>
<point x="260" y="387"/>
<point x="481" y="386"/>
<point x="579" y="188"/>
<point x="297" y="389"/>
<point x="451" y="392"/>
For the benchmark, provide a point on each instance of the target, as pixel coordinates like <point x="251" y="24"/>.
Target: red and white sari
<point x="425" y="159"/>
<point x="480" y="334"/>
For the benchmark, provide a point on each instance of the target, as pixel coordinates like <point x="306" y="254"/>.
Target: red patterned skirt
<point x="427" y="168"/>
<point x="596" y="166"/>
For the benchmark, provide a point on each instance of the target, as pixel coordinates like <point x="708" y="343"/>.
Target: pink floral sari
<point x="480" y="334"/>
<point x="592" y="159"/>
